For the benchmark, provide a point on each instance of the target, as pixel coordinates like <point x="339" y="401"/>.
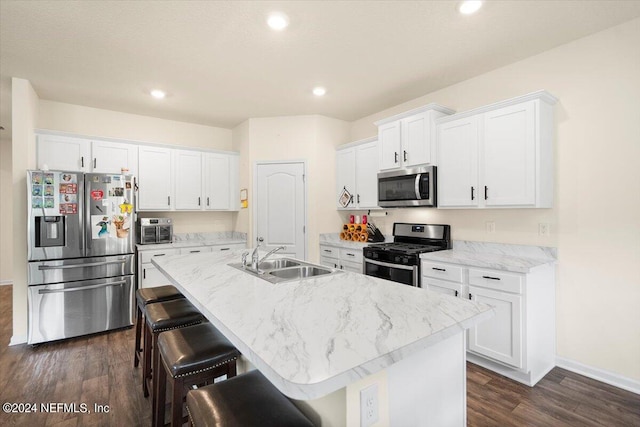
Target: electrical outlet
<point x="544" y="229"/>
<point x="369" y="406"/>
<point x="491" y="227"/>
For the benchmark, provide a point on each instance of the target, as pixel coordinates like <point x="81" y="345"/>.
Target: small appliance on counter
<point x="399" y="261"/>
<point x="152" y="231"/>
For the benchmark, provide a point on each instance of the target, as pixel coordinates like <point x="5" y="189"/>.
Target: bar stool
<point x="246" y="400"/>
<point x="146" y="296"/>
<point x="159" y="317"/>
<point x="190" y="356"/>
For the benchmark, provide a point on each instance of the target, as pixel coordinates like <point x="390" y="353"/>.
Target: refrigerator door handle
<point x="81" y="288"/>
<point x="90" y="264"/>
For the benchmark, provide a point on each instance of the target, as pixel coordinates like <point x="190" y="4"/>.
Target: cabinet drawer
<point x="229" y="247"/>
<point x="195" y="250"/>
<point x="442" y="271"/>
<point x="329" y="252"/>
<point x="147" y="256"/>
<point x="353" y="267"/>
<point x="449" y="288"/>
<point x="497" y="280"/>
<point x="351" y="255"/>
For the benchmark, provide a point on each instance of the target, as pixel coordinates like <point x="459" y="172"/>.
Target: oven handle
<point x="81" y="288"/>
<point x="387" y="264"/>
<point x="89" y="264"/>
<point x="417" y="186"/>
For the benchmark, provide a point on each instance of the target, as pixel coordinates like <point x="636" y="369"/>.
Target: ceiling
<point x="221" y="64"/>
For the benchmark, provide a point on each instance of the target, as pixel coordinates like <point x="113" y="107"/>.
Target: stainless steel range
<point x="399" y="261"/>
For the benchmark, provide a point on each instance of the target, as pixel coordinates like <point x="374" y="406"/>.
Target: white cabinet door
<point x="152" y="277"/>
<point x="351" y="267"/>
<point x="458" y="142"/>
<point x="155" y="178"/>
<point x="329" y="262"/>
<point x="188" y="179"/>
<point x="366" y="160"/>
<point x="499" y="337"/>
<point x="416" y="143"/>
<point x="346" y="175"/>
<point x="112" y="157"/>
<point x="217" y="181"/>
<point x="510" y="155"/>
<point x="63" y="153"/>
<point x="389" y="145"/>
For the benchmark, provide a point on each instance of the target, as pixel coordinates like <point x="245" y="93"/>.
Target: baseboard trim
<point x="5" y="282"/>
<point x="598" y="374"/>
<point x="18" y="339"/>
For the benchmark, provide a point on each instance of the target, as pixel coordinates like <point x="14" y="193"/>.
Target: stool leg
<point x="159" y="394"/>
<point x="136" y="354"/>
<point x="146" y="359"/>
<point x="176" y="402"/>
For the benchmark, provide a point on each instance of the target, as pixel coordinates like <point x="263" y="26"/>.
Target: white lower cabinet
<point x="519" y="340"/>
<point x="148" y="274"/>
<point x="344" y="259"/>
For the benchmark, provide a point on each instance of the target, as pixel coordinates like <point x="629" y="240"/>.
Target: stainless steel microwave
<point x="407" y="187"/>
<point x="154" y="230"/>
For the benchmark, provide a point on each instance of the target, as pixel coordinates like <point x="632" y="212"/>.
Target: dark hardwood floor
<point x="99" y="370"/>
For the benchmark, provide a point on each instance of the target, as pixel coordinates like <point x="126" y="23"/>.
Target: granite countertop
<point x="312" y="337"/>
<point x="190" y="240"/>
<point x="514" y="258"/>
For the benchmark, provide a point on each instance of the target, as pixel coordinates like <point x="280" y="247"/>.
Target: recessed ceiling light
<point x="319" y="91"/>
<point x="158" y="94"/>
<point x="469" y="6"/>
<point x="278" y="21"/>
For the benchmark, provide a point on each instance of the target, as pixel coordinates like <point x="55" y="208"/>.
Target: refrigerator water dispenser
<point x="50" y="231"/>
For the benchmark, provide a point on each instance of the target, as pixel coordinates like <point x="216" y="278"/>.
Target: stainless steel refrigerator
<point x="81" y="253"/>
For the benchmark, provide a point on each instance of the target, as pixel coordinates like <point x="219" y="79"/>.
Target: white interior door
<point x="280" y="207"/>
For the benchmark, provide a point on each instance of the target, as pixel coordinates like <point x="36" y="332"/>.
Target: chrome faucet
<point x="255" y="258"/>
<point x="271" y="252"/>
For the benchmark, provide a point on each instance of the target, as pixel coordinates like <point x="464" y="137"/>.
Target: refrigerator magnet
<point x="48" y="190"/>
<point x="36" y="190"/>
<point x="36" y="178"/>
<point x="97" y="194"/>
<point x="69" y="178"/>
<point x="99" y="226"/>
<point x="49" y="203"/>
<point x="36" y="203"/>
<point x="48" y="178"/>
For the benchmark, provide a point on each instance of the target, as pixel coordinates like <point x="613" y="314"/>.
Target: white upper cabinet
<point x="63" y="153"/>
<point x="220" y="181"/>
<point x="458" y="163"/>
<point x="155" y="178"/>
<point x="408" y="139"/>
<point x="357" y="172"/>
<point x="113" y="157"/>
<point x="188" y="179"/>
<point x="498" y="156"/>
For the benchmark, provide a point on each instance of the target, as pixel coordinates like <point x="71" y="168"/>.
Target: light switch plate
<point x="491" y="227"/>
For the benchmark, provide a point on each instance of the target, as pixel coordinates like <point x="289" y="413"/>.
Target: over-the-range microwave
<point x="407" y="187"/>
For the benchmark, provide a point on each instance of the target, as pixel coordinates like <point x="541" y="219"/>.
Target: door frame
<point x="254" y="216"/>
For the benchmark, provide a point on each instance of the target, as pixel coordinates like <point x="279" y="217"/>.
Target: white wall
<point x="6" y="194"/>
<point x="310" y="138"/>
<point x="595" y="222"/>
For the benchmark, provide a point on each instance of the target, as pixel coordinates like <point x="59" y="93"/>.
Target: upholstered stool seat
<point x="190" y="356"/>
<point x="159" y="317"/>
<point x="146" y="296"/>
<point x="246" y="400"/>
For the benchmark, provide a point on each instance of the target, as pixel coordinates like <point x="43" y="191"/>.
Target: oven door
<point x="395" y="272"/>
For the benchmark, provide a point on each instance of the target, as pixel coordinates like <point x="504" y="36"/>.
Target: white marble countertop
<point x="496" y="256"/>
<point x="191" y="240"/>
<point x="312" y="337"/>
<point x="333" y="239"/>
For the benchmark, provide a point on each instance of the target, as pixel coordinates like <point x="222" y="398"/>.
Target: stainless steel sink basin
<point x="274" y="264"/>
<point x="280" y="270"/>
<point x="300" y="272"/>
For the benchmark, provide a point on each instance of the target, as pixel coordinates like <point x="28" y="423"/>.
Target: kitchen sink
<point x="300" y="272"/>
<point x="280" y="270"/>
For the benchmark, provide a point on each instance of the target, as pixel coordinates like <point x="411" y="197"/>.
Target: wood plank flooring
<point x="99" y="370"/>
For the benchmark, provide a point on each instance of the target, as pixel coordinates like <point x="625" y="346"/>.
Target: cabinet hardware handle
<point x="194" y="252"/>
<point x="485" y="192"/>
<point x="198" y="201"/>
<point x="159" y="254"/>
<point x="404" y="156"/>
<point x="168" y="200"/>
<point x="327" y="250"/>
<point x="335" y="265"/>
<point x="350" y="254"/>
<point x="82" y="161"/>
<point x="144" y="273"/>
<point x="395" y="156"/>
<point x="489" y="277"/>
<point x="456" y="293"/>
<point x="207" y="201"/>
<point x="351" y="199"/>
<point x="95" y="160"/>
<point x="341" y="267"/>
<point x="470" y="296"/>
<point x="438" y="269"/>
<point x="224" y="249"/>
<point x="358" y="199"/>
<point x="472" y="195"/>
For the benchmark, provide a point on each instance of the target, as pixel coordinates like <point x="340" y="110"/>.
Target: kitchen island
<point x="321" y="340"/>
